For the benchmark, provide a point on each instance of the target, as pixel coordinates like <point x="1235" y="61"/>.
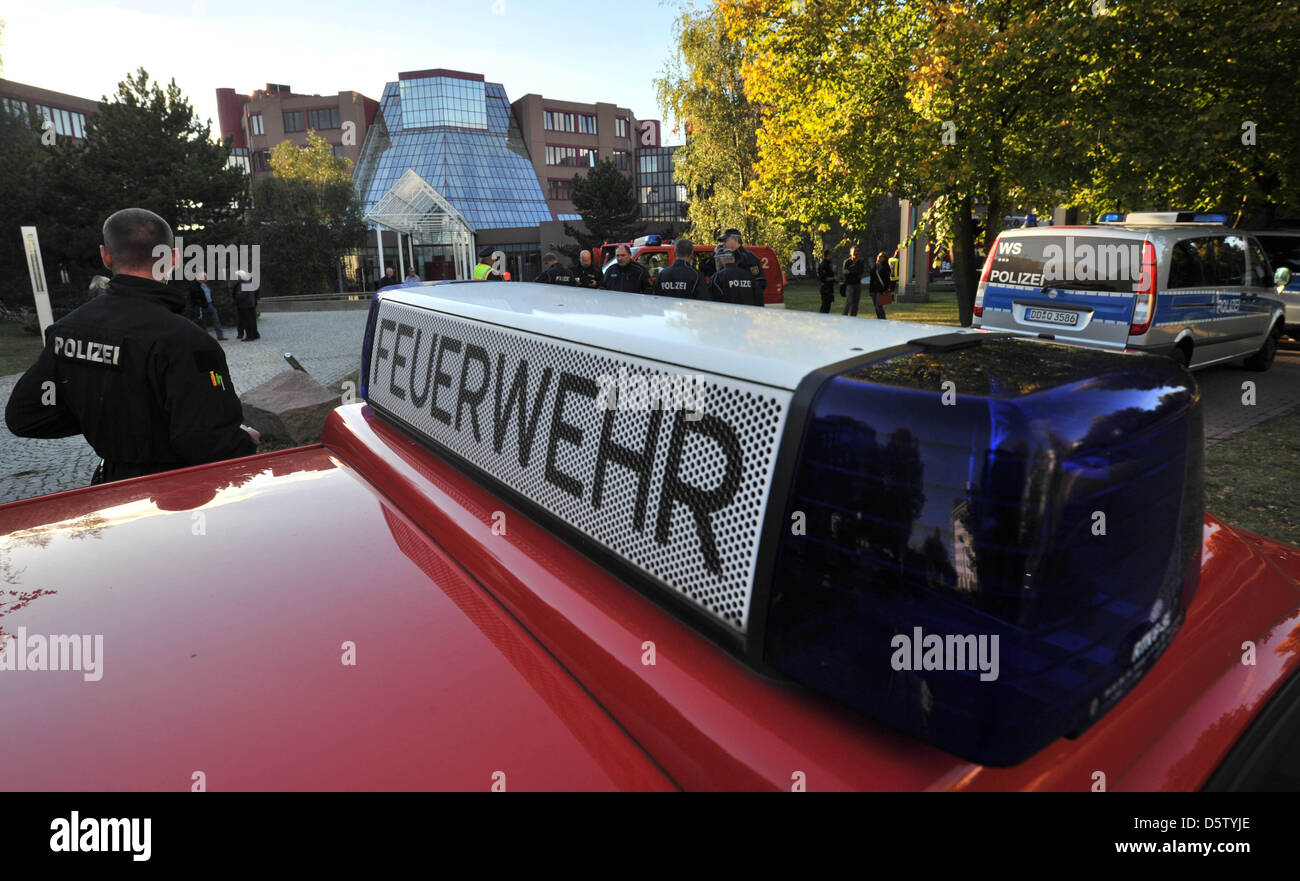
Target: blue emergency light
<point x="996" y="569"/>
<point x="1210" y="218"/>
<point x="1112" y="217"/>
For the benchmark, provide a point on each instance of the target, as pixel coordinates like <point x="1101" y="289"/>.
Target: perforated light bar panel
<point x="980" y="540"/>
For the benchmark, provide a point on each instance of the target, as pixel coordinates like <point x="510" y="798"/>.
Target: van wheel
<point x="1263" y="359"/>
<point x="1183" y="355"/>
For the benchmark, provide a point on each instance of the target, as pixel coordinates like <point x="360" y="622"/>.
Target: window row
<point x="559" y="189"/>
<point x="562" y="121"/>
<point x="68" y="123"/>
<point x="570" y="157"/>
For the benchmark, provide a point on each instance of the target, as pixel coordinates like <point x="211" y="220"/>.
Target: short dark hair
<point x="132" y="235"/>
<point x="684" y="248"/>
<point x="550" y="258"/>
<point x="826" y="255"/>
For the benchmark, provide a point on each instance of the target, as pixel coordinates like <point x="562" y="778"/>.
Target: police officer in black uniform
<point x="730" y="241"/>
<point x="626" y="274"/>
<point x="826" y="275"/>
<point x="733" y="283"/>
<point x="681" y="279"/>
<point x="554" y="273"/>
<point x="148" y="389"/>
<point x="585" y="274"/>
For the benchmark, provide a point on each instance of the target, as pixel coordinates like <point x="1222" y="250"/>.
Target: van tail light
<point x="1144" y="302"/>
<point x="984" y="279"/>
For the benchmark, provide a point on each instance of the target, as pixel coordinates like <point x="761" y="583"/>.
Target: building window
<point x="443" y="101"/>
<point x="570" y="157"/>
<point x="620" y="127"/>
<point x="559" y="189"/>
<point x="337" y="149"/>
<point x="557" y="121"/>
<point x="261" y="160"/>
<point x="15" y="106"/>
<point x="255" y="126"/>
<point x="622" y="160"/>
<point x="293" y="121"/>
<point x="587" y="123"/>
<point x="239" y="158"/>
<point x="326" y="118"/>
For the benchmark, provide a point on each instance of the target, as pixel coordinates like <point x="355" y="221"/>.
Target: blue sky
<point x="566" y="50"/>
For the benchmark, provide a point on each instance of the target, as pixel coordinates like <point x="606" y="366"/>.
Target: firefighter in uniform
<point x="483" y="269"/>
<point x="626" y="274"/>
<point x="585" y="275"/>
<point x="149" y="390"/>
<point x="733" y="283"/>
<point x="681" y="279"/>
<point x="554" y="273"/>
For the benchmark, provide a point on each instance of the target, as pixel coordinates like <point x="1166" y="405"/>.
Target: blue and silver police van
<point x="1172" y="283"/>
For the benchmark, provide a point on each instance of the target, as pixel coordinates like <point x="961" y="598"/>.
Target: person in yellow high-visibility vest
<point x="893" y="267"/>
<point x="483" y="269"/>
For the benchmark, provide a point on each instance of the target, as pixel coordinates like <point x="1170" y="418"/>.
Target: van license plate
<point x="1052" y="316"/>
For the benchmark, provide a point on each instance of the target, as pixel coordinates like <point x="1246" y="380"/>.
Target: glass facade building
<point x="457" y="133"/>
<point x="662" y="198"/>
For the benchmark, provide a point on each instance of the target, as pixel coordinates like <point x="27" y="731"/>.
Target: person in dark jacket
<point x="854" y="269"/>
<point x="245" y="307"/>
<point x="149" y="390"/>
<point x="733" y="283"/>
<point x="826" y="275"/>
<point x="554" y="273"/>
<point x="682" y="279"/>
<point x="201" y="298"/>
<point x="390" y="278"/>
<point x="626" y="274"/>
<point x="879" y="282"/>
<point x="730" y="241"/>
<point x="585" y="275"/>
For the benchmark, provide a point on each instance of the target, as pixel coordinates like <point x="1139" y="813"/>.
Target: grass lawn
<point x="18" y="350"/>
<point x="1250" y="478"/>
<point x="942" y="308"/>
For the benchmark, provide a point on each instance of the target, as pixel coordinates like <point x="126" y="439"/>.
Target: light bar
<point x="825" y="498"/>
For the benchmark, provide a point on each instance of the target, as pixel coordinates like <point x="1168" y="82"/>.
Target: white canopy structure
<point x="414" y="208"/>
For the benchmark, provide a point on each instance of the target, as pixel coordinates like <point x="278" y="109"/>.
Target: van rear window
<point x="1082" y="263"/>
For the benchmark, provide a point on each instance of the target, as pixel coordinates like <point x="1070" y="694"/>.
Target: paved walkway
<point x="1275" y="392"/>
<point x="327" y="344"/>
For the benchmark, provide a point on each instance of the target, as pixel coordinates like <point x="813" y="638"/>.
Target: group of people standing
<point x="245" y="306"/>
<point x="850" y="279"/>
<point x="732" y="275"/>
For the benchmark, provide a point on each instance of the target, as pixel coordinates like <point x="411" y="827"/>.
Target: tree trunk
<point x="963" y="261"/>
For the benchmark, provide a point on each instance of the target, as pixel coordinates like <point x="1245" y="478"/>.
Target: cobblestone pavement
<point x="327" y="344"/>
<point x="1227" y="410"/>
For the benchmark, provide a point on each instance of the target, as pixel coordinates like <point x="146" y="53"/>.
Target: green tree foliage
<point x="1112" y="104"/>
<point x="21" y="173"/>
<point x="305" y="217"/>
<point x="144" y="148"/>
<point x="703" y="88"/>
<point x="1165" y="108"/>
<point x="606" y="200"/>
<point x="957" y="102"/>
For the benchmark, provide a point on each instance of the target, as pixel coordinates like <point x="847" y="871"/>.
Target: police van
<point x="1283" y="249"/>
<point x="1172" y="283"/>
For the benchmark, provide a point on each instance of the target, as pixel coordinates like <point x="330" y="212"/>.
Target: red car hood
<point x="226" y="596"/>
